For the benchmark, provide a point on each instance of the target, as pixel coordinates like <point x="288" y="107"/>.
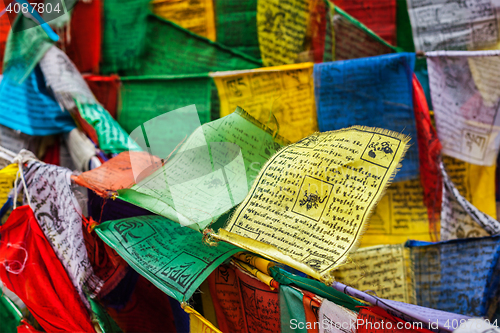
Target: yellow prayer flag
<point x="261" y="264"/>
<point x="197" y="323"/>
<point x="475" y="183"/>
<point x="7" y="178"/>
<point x="310" y="202"/>
<point x="383" y="269"/>
<point x="263" y="277"/>
<point x="208" y="303"/>
<point x="195" y="16"/>
<point x="400" y="215"/>
<point x="282" y="28"/>
<point x="283" y="92"/>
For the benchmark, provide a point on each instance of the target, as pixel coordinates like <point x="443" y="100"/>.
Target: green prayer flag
<point x="404" y="34"/>
<point x="112" y="138"/>
<point x="28" y="42"/>
<point x="171" y="49"/>
<point x="104" y="320"/>
<point x="175" y="259"/>
<point x="144" y="98"/>
<point x="214" y="101"/>
<point x="285" y="278"/>
<point x="236" y="25"/>
<point x="292" y="307"/>
<point x="24" y="48"/>
<point x="10" y="316"/>
<point x="210" y="173"/>
<point x="124" y="33"/>
<point x="137" y="42"/>
<point x="329" y="35"/>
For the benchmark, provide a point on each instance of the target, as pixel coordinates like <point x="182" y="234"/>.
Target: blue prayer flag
<point x="376" y="92"/>
<point x="30" y="108"/>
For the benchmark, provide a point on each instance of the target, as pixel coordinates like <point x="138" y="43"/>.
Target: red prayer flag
<point x="148" y="310"/>
<point x="377" y="15"/>
<point x="84" y="46"/>
<point x="30" y="268"/>
<point x="107" y="264"/>
<point x="376" y="320"/>
<point x="429" y="150"/>
<point x="4" y="31"/>
<point x="225" y="293"/>
<point x="53" y="153"/>
<point x="317" y="29"/>
<point x="311" y="308"/>
<point x="242" y="303"/>
<point x="105" y="89"/>
<point x="25" y="327"/>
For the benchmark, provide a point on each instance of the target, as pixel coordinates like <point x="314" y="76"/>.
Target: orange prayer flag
<point x="117" y="173"/>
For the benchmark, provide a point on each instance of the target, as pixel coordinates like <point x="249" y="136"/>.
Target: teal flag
<point x="285" y="278"/>
<point x="174" y="258"/>
<point x="291" y="307"/>
<point x="112" y="138"/>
